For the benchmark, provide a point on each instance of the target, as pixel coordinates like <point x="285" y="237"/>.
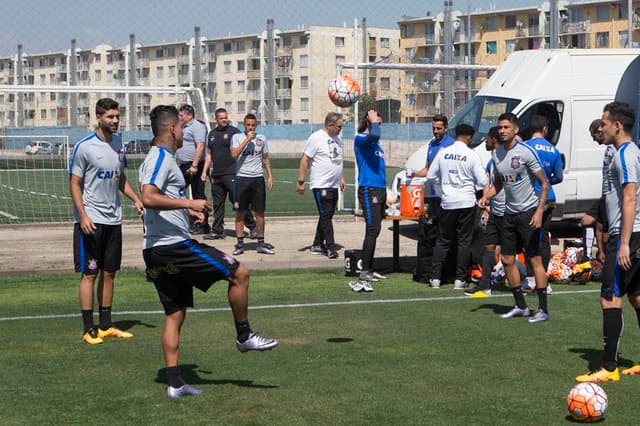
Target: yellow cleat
<point x="92" y="338"/>
<point x="602" y="375"/>
<point x="633" y="371"/>
<point x="114" y="332"/>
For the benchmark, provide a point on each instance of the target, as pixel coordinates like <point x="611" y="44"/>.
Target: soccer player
<point x="223" y="171"/>
<point x="175" y="262"/>
<point x="621" y="265"/>
<point x="551" y="163"/>
<point x="323" y="157"/>
<point x="517" y="166"/>
<point x="251" y="152"/>
<point x="191" y="159"/>
<point x="372" y="189"/>
<point x="428" y="223"/>
<point x="459" y="170"/>
<point x="96" y="174"/>
<point x="493" y="229"/>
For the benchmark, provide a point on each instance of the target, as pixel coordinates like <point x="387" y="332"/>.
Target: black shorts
<point x="598" y="212"/>
<point x="177" y="268"/>
<point x="518" y="234"/>
<point x="250" y="194"/>
<point x="100" y="251"/>
<point x="493" y="232"/>
<point x="615" y="281"/>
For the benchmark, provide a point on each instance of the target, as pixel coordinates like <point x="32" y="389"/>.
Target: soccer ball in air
<point x="587" y="402"/>
<point x="344" y="91"/>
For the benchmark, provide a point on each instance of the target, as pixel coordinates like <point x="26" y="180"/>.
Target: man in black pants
<point x="223" y="172"/>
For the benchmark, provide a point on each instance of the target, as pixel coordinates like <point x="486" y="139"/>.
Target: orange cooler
<point x="412" y="197"/>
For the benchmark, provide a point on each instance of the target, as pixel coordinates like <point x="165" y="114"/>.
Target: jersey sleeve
<point x="627" y="164"/>
<point x="434" y="169"/>
<point x="78" y="161"/>
<point x="531" y="159"/>
<point x="478" y="172"/>
<point x="153" y="172"/>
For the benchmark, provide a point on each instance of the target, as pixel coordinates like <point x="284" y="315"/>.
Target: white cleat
<point x="255" y="342"/>
<point x="184" y="390"/>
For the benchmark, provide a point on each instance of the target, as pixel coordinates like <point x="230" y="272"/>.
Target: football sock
<point x="589" y="235"/>
<point x="542" y="299"/>
<point x="174" y="378"/>
<point x="488" y="262"/>
<point x="612" y="327"/>
<point x="240" y="241"/>
<point x="87" y="319"/>
<point x="519" y="297"/>
<point x="105" y="317"/>
<point x="260" y="240"/>
<point x="243" y="330"/>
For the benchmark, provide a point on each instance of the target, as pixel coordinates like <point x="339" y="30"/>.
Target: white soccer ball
<point x="344" y="91"/>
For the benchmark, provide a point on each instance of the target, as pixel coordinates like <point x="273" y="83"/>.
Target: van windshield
<point x="482" y="113"/>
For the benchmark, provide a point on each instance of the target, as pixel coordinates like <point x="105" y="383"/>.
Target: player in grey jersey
<point x="517" y="167"/>
<point x="620" y="274"/>
<point x="175" y="262"/>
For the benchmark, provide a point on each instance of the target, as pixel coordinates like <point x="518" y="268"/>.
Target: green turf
<point x="436" y="359"/>
<point x="37" y="192"/>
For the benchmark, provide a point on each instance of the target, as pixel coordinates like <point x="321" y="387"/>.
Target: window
<point x="340" y="59"/>
<point x="226" y="46"/>
<point x="384" y="43"/>
<point x="228" y="106"/>
<point x="98" y="57"/>
<point x="240" y="85"/>
<point x="159" y="72"/>
<point x="286" y="42"/>
<point x="509" y="46"/>
<point x="227" y="87"/>
<point x="171" y="52"/>
<point x="240" y="46"/>
<point x="510" y="21"/>
<point x="492" y="48"/>
<point x="408" y="53"/>
<point x="304" y="104"/>
<point x="184" y="50"/>
<point x="53" y="96"/>
<point x="577" y="15"/>
<point x="408" y="31"/>
<point x="240" y="65"/>
<point x="159" y="52"/>
<point x="41" y="62"/>
<point x="304" y="61"/>
<point x="172" y="71"/>
<point x="385" y="83"/>
<point x="491" y="24"/>
<point x="623" y="38"/>
<point x="602" y="39"/>
<point x="602" y="12"/>
<point x="304" y="82"/>
<point x="303" y="40"/>
<point x="623" y="11"/>
<point x="43" y="79"/>
<point x="241" y="107"/>
<point x="339" y="41"/>
<point x="98" y="75"/>
<point x="227" y="66"/>
<point x="52" y="78"/>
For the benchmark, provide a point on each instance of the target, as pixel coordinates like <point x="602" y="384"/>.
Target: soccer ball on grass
<point x="344" y="91"/>
<point x="587" y="402"/>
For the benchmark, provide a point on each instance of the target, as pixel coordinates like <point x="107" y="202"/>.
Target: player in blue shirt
<point x="372" y="188"/>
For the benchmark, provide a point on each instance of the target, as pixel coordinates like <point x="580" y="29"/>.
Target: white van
<point x="570" y="88"/>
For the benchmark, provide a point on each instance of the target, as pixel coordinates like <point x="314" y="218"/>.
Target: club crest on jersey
<point x="515" y="162"/>
<point x="226" y="136"/>
<point x="374" y="200"/>
<point x="323" y="193"/>
<point x="92" y="264"/>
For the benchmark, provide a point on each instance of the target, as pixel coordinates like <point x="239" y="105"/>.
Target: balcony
<point x="427" y="87"/>
<point x="209" y="57"/>
<point x="254" y="52"/>
<point x="253" y="74"/>
<point x="209" y="76"/>
<point x="283" y="71"/>
<point x="182" y="60"/>
<point x="416" y="60"/>
<point x="372" y="47"/>
<point x="581" y="27"/>
<point x="427" y="111"/>
<point x="183" y="79"/>
<point x="253" y="94"/>
<point x="142" y="62"/>
<point x="283" y="51"/>
<point x="283" y="93"/>
<point x="284" y="114"/>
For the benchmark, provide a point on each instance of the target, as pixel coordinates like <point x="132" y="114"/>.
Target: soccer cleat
<point x="239" y="249"/>
<point x="459" y="285"/>
<point x="318" y="250"/>
<point x="478" y="293"/>
<point x="633" y="371"/>
<point x="214" y="236"/>
<point x="114" y="332"/>
<point x="255" y="342"/>
<point x="92" y="338"/>
<point x="367" y="287"/>
<point x="602" y="375"/>
<point x="516" y="312"/>
<point x="356" y="286"/>
<point x="332" y="254"/>
<point x="265" y="249"/>
<point x="434" y="283"/>
<point x="367" y="276"/>
<point x="184" y="390"/>
<point x="379" y="276"/>
<point x="549" y="289"/>
<point x="539" y="316"/>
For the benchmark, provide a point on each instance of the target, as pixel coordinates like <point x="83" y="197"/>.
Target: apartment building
<point x="233" y="74"/>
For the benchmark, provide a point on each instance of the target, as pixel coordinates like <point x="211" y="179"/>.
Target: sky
<point x="43" y="26"/>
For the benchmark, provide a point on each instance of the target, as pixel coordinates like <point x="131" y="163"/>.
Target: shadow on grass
<point x="307" y="248"/>
<point x="340" y="340"/>
<point x="191" y="375"/>
<point x="127" y="324"/>
<point x="497" y="309"/>
<point x="572" y="420"/>
<point x="594" y="358"/>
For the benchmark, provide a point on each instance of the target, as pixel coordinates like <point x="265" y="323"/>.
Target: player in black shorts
<point x="175" y="262"/>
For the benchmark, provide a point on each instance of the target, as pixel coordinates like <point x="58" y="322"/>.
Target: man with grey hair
<point x="322" y="155"/>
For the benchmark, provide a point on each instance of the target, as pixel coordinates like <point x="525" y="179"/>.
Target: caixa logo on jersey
<point x="108" y="174"/>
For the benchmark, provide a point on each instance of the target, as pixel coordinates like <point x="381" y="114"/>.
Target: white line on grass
<point x="294" y="305"/>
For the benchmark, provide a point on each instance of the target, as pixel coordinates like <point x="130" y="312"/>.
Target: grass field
<point x="405" y="354"/>
<point x="33" y="191"/>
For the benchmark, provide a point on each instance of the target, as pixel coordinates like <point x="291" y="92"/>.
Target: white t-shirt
<point x="325" y="165"/>
<point x="249" y="162"/>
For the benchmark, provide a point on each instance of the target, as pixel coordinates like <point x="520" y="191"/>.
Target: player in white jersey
<point x="175" y="262"/>
<point x="96" y="174"/>
<point x="621" y="272"/>
<point x="517" y="167"/>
